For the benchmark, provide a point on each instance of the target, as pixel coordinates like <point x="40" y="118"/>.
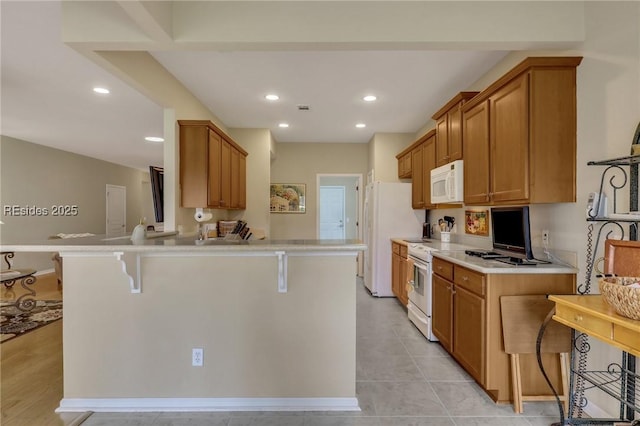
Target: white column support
<point x="131" y="267"/>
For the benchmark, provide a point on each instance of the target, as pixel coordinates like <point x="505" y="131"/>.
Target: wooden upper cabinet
<point x="238" y="180"/>
<point x="531" y="136"/>
<point x="194" y="166"/>
<point x="404" y="165"/>
<point x="509" y="141"/>
<point x="215" y="162"/>
<point x="429" y="163"/>
<point x="417" y="177"/>
<point x="422" y="158"/>
<point x="475" y="135"/>
<point x="449" y="129"/>
<point x="212" y="167"/>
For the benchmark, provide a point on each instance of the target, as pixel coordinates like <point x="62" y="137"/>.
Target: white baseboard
<point x="206" y="404"/>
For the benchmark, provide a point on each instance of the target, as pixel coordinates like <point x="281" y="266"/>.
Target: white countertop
<point x="487" y="266"/>
<point x="102" y="243"/>
<point x="454" y="253"/>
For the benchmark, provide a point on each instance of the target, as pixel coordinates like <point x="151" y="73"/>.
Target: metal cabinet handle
<point x="578" y="318"/>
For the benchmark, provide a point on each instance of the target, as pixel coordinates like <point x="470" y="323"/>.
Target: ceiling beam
<point x="153" y="17"/>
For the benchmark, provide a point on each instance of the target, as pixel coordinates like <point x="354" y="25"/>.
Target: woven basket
<point x="621" y="296"/>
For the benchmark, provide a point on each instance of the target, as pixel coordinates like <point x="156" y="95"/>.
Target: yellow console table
<point x="593" y="316"/>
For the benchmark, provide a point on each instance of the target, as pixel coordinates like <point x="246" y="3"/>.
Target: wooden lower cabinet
<point x="467" y="320"/>
<point x="442" y="313"/>
<point x="468" y="332"/>
<point x="399" y="273"/>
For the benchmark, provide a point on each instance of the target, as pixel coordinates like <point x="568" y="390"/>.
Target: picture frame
<point x="287" y="198"/>
<point x="476" y="222"/>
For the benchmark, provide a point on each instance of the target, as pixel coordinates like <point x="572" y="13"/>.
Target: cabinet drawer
<point x="443" y="268"/>
<point x="585" y="322"/>
<point x="626" y="337"/>
<point x="403" y="250"/>
<point x="395" y="247"/>
<point x="472" y="281"/>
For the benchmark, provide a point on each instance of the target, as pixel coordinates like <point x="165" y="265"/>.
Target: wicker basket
<point x="618" y="293"/>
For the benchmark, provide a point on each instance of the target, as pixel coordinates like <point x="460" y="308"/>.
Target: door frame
<point x="360" y="225"/>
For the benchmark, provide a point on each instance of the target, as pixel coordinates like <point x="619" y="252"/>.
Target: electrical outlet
<point x="545" y="237"/>
<point x="197" y="357"/>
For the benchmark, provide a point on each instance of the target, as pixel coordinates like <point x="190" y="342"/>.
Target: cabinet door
<point x="455" y="133"/>
<point x="395" y="274"/>
<point x="417" y="178"/>
<point x="442" y="311"/>
<point x="476" y="148"/>
<point x="238" y="180"/>
<point x="442" y="141"/>
<point x="215" y="165"/>
<point x="403" y="295"/>
<point x="509" y="124"/>
<point x="225" y="174"/>
<point x="468" y="332"/>
<point x="193" y="166"/>
<point x="429" y="163"/>
<point x="404" y="166"/>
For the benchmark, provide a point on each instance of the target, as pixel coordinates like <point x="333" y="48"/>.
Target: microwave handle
<point x="447" y="185"/>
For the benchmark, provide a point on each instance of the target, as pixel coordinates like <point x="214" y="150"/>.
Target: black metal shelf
<point x="619" y="380"/>
<point x="620" y="161"/>
<point x="615" y="382"/>
<point x="609" y="219"/>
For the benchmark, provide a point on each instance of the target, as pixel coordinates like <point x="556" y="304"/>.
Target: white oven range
<point x="419" y="306"/>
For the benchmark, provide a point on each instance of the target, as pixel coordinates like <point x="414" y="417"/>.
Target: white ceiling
<point x="47" y="97"/>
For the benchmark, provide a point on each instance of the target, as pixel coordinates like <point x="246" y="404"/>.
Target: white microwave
<point x="446" y="183"/>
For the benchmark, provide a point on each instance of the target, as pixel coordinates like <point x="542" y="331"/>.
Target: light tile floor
<point x="402" y="380"/>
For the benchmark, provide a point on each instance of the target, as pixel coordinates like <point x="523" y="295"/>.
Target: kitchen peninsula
<point x="275" y="320"/>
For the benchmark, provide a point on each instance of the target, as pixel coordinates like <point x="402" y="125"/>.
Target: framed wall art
<point x="287" y="198"/>
<point x="476" y="222"/>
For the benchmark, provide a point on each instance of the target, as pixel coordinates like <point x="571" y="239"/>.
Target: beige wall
<point x="300" y="163"/>
<point x="35" y="175"/>
<point x="383" y="148"/>
<point x="257" y="142"/>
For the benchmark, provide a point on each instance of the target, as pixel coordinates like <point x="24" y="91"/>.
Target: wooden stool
<point x="522" y="317"/>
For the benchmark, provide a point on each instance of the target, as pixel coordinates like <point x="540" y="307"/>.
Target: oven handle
<point x="417" y="264"/>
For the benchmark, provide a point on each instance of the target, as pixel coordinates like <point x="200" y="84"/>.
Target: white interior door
<point x="332" y="214"/>
<point x="116" y="210"/>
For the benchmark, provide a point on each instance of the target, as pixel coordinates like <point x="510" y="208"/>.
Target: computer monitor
<point x="511" y="230"/>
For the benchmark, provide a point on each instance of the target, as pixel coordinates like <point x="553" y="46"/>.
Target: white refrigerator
<point x="387" y="214"/>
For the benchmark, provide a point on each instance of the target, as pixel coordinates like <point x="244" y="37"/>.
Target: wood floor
<point x="31" y="368"/>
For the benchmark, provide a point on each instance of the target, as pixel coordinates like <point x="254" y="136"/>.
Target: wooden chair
<point x="622" y="258"/>
<point x="522" y="317"/>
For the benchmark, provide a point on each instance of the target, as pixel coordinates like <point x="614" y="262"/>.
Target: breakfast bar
<point x="273" y="323"/>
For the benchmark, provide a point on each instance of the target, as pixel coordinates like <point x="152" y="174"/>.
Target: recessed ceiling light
<point x="283" y="125"/>
<point x="101" y="90"/>
<point x="154" y="139"/>
<point x="369" y="98"/>
<point x="272" y="97"/>
<point x="361" y="125"/>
